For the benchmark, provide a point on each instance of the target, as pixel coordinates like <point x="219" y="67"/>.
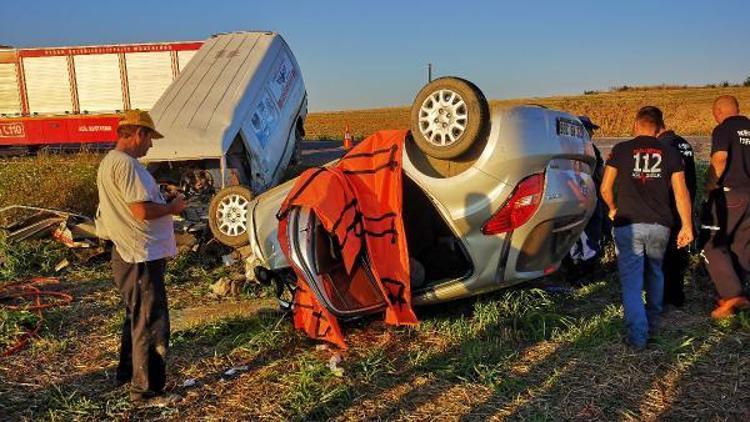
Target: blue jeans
<point x="640" y="252"/>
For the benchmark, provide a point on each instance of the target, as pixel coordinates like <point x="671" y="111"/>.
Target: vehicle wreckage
<point x="471" y="200"/>
<point x="232" y="123"/>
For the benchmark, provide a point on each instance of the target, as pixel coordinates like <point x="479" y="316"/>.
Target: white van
<point x="232" y="122"/>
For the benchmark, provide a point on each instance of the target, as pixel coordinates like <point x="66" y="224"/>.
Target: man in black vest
<point x="676" y="261"/>
<point x="727" y="252"/>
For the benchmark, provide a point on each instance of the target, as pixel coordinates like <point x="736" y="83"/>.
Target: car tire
<point x="228" y="216"/>
<point x="448" y="116"/>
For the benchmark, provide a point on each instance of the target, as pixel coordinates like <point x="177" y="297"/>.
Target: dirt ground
<point x="532" y="352"/>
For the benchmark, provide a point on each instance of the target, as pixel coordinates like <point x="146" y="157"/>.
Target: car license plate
<point x="566" y="127"/>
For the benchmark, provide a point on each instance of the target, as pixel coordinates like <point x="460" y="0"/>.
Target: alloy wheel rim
<point x="443" y="117"/>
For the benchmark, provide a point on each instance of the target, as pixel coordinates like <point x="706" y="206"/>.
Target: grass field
<point x="687" y="110"/>
<point x="523" y="353"/>
<point x="527" y="353"/>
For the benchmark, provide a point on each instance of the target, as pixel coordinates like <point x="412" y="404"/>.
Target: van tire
<point x="229" y="216"/>
<point x="448" y="116"/>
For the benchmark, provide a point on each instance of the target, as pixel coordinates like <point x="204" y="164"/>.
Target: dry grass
<point x="687" y="110"/>
<point x="59" y="181"/>
<point x="517" y="354"/>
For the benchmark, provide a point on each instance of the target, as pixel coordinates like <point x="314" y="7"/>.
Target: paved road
<point x="317" y="153"/>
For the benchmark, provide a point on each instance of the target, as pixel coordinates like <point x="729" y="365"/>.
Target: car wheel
<point x="448" y="116"/>
<point x="228" y="215"/>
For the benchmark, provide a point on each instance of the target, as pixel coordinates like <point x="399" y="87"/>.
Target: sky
<point x="366" y="54"/>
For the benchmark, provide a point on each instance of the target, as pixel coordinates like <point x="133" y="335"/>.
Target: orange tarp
<point x="359" y="202"/>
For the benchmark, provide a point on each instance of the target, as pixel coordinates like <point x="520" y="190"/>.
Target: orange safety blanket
<point x="358" y="202"/>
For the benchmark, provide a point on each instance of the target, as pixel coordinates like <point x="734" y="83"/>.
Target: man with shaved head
<point x="727" y="252"/>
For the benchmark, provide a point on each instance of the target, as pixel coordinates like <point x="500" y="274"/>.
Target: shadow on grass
<point x="483" y="349"/>
<point x="623" y="384"/>
<point x="523" y="355"/>
<point x="264" y="336"/>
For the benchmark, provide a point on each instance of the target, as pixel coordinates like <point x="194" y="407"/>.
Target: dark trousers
<point x="145" y="333"/>
<point x="676" y="262"/>
<point x="727" y="251"/>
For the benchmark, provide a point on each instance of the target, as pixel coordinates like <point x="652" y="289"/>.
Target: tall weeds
<point x="64" y="181"/>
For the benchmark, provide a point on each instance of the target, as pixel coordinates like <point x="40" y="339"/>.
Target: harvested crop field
<point x="687" y="110"/>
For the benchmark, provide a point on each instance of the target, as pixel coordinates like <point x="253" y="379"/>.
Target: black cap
<point x="587" y="123"/>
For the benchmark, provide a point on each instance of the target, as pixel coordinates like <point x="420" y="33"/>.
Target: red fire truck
<point x="70" y="95"/>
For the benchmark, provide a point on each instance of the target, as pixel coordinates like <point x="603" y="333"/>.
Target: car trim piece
<point x="568" y="226"/>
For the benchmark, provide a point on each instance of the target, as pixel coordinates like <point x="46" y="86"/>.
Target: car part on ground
<point x="21" y="222"/>
<point x="75" y="231"/>
<point x="233" y="117"/>
<point x="449" y="115"/>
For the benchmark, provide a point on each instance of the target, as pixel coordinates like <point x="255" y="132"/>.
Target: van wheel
<point x="448" y="116"/>
<point x="228" y="215"/>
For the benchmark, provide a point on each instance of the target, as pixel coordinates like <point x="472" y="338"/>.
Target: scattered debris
<point x="228" y="286"/>
<point x="62" y="265"/>
<point x="228" y="259"/>
<point x="190" y="382"/>
<point x="234" y="371"/>
<point x="222" y="287"/>
<point x="28" y="296"/>
<point x="251" y="262"/>
<point x="186" y="241"/>
<point x="333" y="363"/>
<point x="22" y="222"/>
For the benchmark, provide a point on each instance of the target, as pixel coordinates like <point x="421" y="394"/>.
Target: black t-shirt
<point x="733" y="136"/>
<point x="644" y="174"/>
<point x="688" y="159"/>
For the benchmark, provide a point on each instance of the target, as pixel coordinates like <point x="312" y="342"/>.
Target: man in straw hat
<point x="135" y="217"/>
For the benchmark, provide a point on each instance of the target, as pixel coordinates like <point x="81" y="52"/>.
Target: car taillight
<point x="519" y="208"/>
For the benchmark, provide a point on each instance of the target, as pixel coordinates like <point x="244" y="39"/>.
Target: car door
<point x="318" y="257"/>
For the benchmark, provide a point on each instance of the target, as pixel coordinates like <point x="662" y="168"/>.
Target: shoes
<point x="122" y="378"/>
<point x="676" y="300"/>
<point x="637" y="346"/>
<point x="727" y="307"/>
<point x="119" y="382"/>
<point x="154" y="399"/>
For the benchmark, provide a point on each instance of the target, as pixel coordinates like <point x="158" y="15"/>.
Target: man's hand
<point x="685" y="237"/>
<point x="612" y="214"/>
<point x="177" y="205"/>
<point x="151" y="211"/>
